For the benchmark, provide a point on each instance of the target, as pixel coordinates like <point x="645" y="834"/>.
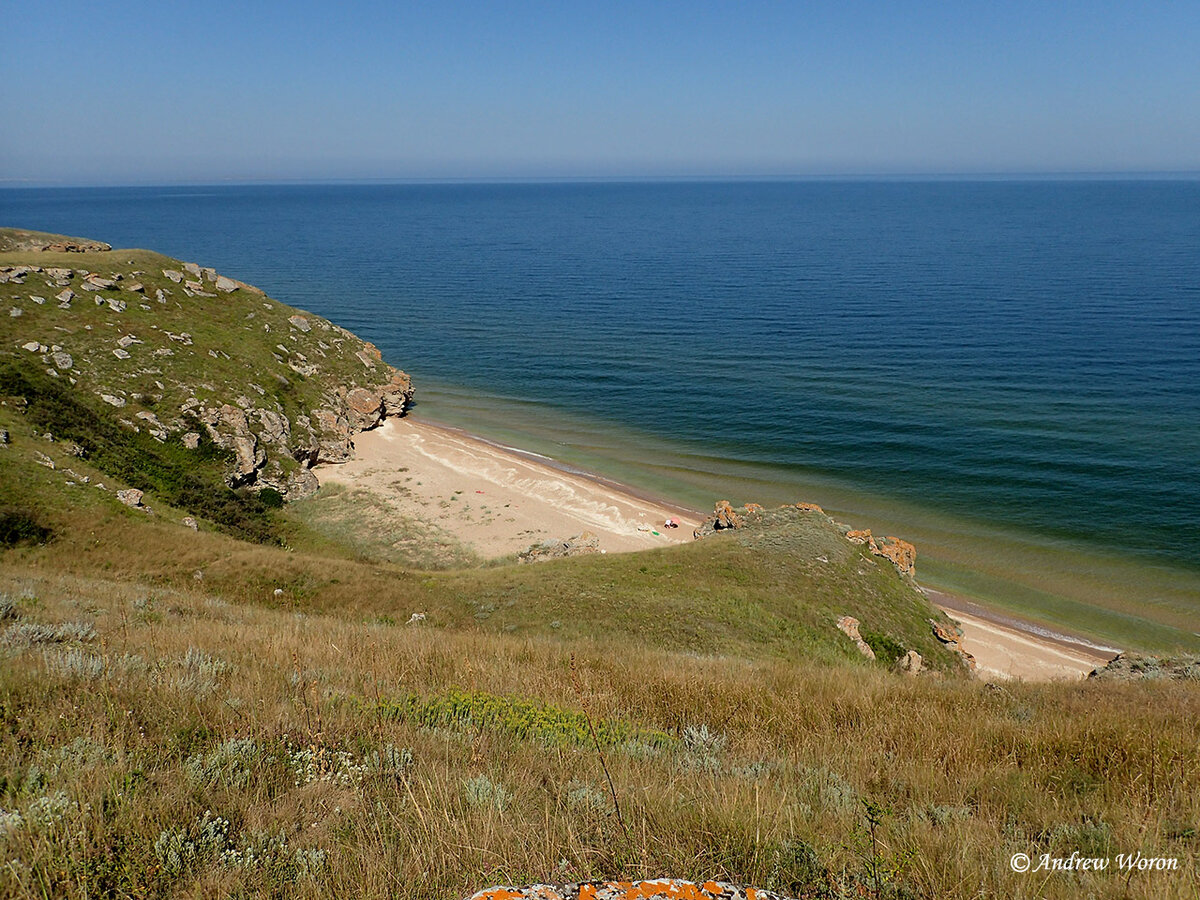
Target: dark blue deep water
<point x="1021" y="353"/>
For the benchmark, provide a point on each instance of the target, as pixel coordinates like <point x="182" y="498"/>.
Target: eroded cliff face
<point x="186" y="354"/>
<point x="274" y="449"/>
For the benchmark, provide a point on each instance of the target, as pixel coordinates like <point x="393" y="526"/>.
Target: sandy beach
<point x="496" y="500"/>
<point x="1006" y="648"/>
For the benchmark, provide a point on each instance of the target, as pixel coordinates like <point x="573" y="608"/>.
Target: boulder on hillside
<point x="848" y="625"/>
<point x="910" y="664"/>
<point x="131" y="498"/>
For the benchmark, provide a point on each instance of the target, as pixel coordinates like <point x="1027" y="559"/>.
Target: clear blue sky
<point x="130" y="92"/>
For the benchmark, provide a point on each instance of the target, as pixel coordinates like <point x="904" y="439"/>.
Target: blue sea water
<point x="1018" y="361"/>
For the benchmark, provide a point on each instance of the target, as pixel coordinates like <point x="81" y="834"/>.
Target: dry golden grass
<point x="113" y="748"/>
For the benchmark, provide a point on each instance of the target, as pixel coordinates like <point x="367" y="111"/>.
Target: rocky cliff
<point x="187" y="354"/>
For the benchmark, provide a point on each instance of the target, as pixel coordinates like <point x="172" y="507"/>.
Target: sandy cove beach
<point x="1005" y="648"/>
<point x="497" y="501"/>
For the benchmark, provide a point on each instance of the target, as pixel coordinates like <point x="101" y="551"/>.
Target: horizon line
<point x="1046" y="175"/>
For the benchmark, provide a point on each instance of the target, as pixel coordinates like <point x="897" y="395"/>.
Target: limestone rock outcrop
<point x="900" y="553"/>
<point x="261" y="438"/>
<point x="229" y="428"/>
<point x="848" y="625"/>
<point x="723" y="518"/>
<point x="949" y="637"/>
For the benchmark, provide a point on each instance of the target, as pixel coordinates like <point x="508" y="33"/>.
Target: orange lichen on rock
<point x="949" y="637"/>
<point x="724" y="517"/>
<point x="810" y="507"/>
<point x="900" y="553"/>
<point x="658" y="889"/>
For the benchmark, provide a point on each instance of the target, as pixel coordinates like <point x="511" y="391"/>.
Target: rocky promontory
<point x="186" y="354"/>
<point x="900" y="553"/>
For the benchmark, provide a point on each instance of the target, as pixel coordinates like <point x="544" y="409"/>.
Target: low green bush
<point x="191" y="480"/>
<point x="19" y="526"/>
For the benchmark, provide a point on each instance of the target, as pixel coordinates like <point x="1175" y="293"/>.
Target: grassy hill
<point x="243" y="709"/>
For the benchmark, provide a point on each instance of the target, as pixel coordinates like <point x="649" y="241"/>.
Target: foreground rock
<point x="629" y="890"/>
<point x="1134" y="667"/>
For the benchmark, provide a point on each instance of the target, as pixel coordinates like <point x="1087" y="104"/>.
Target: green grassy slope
<point x="123" y="353"/>
<point x="234" y="341"/>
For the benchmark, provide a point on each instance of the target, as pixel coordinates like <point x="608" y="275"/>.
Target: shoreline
<point x="566" y="468"/>
<point x="1007" y="648"/>
<point x="422" y="468"/>
<point x="495" y="501"/>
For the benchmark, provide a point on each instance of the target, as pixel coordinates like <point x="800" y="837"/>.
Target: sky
<point x="255" y="90"/>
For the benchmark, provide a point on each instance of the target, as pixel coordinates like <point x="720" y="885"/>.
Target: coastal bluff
<point x="190" y="356"/>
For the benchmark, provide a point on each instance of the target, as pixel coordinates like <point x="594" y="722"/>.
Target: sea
<point x="1005" y="372"/>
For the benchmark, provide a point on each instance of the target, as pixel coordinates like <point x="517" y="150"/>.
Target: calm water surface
<point x="1006" y="372"/>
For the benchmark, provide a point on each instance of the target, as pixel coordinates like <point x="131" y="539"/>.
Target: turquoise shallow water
<point x="1007" y="373"/>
